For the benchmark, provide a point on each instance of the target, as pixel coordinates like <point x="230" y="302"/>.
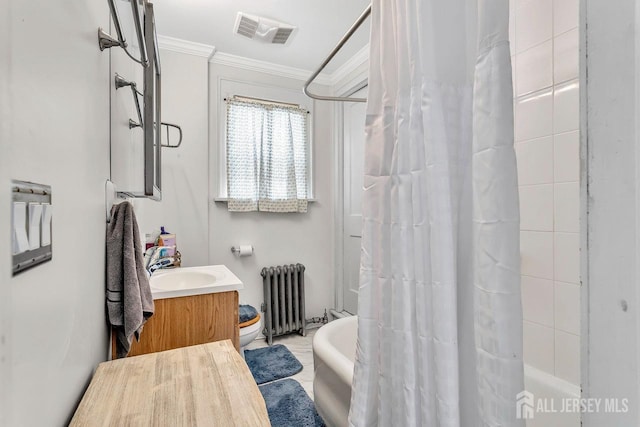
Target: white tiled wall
<point x="544" y="47"/>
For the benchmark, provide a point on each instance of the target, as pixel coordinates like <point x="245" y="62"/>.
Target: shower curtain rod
<point x="333" y="53"/>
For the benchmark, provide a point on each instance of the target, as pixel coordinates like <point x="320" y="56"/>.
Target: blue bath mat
<point x="289" y="405"/>
<point x="271" y="363"/>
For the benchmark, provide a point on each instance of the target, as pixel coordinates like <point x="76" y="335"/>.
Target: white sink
<point x="181" y="282"/>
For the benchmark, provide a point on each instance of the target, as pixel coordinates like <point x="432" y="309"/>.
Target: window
<point x="267" y="156"/>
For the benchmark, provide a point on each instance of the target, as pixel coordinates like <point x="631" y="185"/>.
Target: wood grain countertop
<point x="202" y="385"/>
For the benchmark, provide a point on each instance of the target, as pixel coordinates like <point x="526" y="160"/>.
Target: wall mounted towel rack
<point x="120" y="82"/>
<point x="333" y="53"/>
<point x="174" y="126"/>
<point x="107" y="41"/>
<point x="112" y="197"/>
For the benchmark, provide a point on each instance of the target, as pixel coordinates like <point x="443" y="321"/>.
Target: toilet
<point x="249" y="329"/>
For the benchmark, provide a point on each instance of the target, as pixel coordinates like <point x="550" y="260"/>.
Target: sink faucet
<point x="160" y="264"/>
<point x="156" y="259"/>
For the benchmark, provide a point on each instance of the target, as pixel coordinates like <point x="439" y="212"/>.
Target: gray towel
<point x="129" y="299"/>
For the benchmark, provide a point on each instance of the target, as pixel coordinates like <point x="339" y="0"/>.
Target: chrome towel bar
<point x="107" y="41"/>
<point x="120" y="82"/>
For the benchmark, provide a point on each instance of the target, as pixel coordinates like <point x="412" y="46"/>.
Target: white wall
<point x="611" y="144"/>
<point x="544" y="43"/>
<point x="277" y="238"/>
<point x="185" y="170"/>
<point x="5" y="291"/>
<point x="347" y="83"/>
<point x="205" y="229"/>
<point x="54" y="330"/>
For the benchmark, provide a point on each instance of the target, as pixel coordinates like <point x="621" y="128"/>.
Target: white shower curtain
<point x="440" y="318"/>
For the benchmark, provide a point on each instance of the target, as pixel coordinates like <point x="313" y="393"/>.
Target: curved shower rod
<point x="333" y="53"/>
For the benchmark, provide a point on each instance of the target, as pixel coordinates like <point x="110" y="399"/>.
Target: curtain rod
<point x="333" y="53"/>
<point x="265" y="101"/>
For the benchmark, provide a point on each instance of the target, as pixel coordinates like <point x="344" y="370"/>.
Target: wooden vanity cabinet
<point x="190" y="320"/>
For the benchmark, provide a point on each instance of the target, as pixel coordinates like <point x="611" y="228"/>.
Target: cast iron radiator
<point x="283" y="300"/>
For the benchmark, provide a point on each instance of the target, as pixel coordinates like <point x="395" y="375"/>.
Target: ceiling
<point x="320" y="25"/>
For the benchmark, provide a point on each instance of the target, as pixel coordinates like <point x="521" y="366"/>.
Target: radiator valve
<point x="319" y="320"/>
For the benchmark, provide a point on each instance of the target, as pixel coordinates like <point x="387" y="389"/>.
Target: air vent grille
<point x="264" y="29"/>
<point x="247" y="26"/>
<point x="282" y="35"/>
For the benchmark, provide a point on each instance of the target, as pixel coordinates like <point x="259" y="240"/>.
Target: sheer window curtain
<point x="266" y="157"/>
<point x="440" y="318"/>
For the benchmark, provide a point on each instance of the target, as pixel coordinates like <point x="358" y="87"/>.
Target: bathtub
<point x="334" y="350"/>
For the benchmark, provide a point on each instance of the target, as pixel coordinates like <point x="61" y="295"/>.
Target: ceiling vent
<point x="259" y="28"/>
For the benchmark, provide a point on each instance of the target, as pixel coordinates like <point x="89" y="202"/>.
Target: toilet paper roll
<point x="245" y="250"/>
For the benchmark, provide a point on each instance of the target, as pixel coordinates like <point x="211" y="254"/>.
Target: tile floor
<point x="301" y="348"/>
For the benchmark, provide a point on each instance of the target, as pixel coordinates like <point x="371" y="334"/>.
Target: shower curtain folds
<point x="440" y="318"/>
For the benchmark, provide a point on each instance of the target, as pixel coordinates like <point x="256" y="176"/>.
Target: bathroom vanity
<point x="193" y="305"/>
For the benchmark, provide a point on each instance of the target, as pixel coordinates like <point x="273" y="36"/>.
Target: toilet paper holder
<point x="238" y="250"/>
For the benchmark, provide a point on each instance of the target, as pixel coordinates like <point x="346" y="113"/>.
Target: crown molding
<point x="351" y="65"/>
<point x="222" y="58"/>
<point x="184" y="46"/>
<point x="228" y="59"/>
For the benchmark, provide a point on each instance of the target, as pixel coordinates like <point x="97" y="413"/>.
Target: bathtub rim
<point x="343" y="367"/>
<point x="326" y="351"/>
<point x="550" y="381"/>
